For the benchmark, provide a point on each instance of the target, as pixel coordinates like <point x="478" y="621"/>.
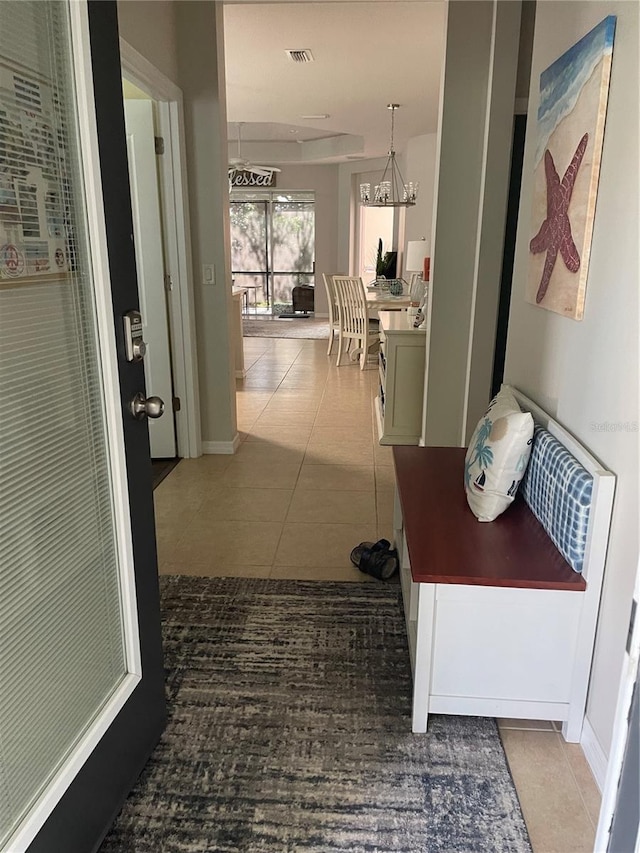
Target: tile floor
<point x="308" y="482"/>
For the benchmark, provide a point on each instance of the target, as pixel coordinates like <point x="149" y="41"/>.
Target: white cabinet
<point x="401" y="388"/>
<point x="238" y="295"/>
<point x="499" y="624"/>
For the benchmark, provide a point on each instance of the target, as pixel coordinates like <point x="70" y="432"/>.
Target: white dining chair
<point x="334" y="320"/>
<point x="353" y="315"/>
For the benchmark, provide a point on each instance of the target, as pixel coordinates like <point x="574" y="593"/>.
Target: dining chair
<point x="334" y="320"/>
<point x="353" y="315"/>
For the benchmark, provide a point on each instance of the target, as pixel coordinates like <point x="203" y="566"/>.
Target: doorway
<point x="376" y="223"/>
<point x="155" y="145"/>
<point x="142" y="151"/>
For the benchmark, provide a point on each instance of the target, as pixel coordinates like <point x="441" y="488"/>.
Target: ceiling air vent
<point x="299" y="55"/>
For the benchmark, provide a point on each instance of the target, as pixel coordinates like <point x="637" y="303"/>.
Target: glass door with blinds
<point x="69" y="644"/>
<point x="272" y="247"/>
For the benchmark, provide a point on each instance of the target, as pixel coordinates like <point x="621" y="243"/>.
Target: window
<point x="272" y="246"/>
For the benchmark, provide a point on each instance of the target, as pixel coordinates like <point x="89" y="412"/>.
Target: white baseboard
<point x="594" y="754"/>
<point x="321" y="315"/>
<point x="222" y="447"/>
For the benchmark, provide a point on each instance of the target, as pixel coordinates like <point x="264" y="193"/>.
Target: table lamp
<point x="417" y="258"/>
<point x="417" y="261"/>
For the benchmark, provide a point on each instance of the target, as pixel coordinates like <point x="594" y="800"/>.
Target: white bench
<point x="498" y="622"/>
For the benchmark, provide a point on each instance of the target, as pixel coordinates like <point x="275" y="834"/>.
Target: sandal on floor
<point x="377" y="559"/>
<point x="356" y="554"/>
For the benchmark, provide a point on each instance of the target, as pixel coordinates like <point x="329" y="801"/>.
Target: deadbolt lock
<point x="135" y="347"/>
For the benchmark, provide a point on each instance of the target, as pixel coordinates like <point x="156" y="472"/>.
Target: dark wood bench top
<point x="447" y="544"/>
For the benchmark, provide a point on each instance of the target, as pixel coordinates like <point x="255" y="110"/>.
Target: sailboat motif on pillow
<point x="479" y="481"/>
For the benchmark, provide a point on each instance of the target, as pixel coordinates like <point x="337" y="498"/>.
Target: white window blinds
<point x="61" y="637"/>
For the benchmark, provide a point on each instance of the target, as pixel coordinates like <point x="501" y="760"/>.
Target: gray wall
<point x="152" y="35"/>
<point x="527" y="26"/>
<point x="419" y="164"/>
<point x="184" y="41"/>
<point x="586" y="373"/>
<point x="201" y="78"/>
<point x="474" y="147"/>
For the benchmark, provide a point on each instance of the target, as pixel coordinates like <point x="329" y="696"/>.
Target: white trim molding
<point x="594" y="753"/>
<point x="221" y="447"/>
<point x="146" y="76"/>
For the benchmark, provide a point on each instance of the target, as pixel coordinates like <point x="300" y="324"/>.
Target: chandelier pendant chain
<point x="393" y="108"/>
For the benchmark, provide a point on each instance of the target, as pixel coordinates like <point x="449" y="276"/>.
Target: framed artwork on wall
<point x="570" y="133"/>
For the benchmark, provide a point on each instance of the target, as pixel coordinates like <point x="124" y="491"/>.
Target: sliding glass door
<point x="272" y="247"/>
<point x="250" y="251"/>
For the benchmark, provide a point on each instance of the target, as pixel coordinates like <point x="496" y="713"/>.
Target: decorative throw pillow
<point x="497" y="456"/>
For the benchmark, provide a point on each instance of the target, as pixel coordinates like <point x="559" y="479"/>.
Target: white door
<point x="618" y="826"/>
<point x="625" y="828"/>
<point x="147" y="230"/>
<point x="81" y="676"/>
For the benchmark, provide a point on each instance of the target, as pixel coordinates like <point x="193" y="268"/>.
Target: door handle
<point x="142" y="407"/>
<point x="135" y="347"/>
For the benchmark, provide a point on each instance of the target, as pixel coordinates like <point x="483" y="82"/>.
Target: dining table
<point x="382" y="300"/>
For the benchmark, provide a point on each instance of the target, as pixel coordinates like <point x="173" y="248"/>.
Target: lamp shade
<point x="417" y="251"/>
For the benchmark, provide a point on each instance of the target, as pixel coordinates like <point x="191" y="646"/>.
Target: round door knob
<point x="146" y="407"/>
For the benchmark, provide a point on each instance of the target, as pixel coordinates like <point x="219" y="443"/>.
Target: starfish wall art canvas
<point x="570" y="133"/>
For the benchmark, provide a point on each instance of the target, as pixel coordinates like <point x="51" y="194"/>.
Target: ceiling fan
<point x="239" y="164"/>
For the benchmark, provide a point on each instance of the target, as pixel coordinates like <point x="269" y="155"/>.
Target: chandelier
<point x="392" y="190"/>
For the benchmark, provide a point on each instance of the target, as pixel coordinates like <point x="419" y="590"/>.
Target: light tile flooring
<point x="309" y="482"/>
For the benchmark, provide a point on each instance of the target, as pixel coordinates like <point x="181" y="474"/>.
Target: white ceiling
<point x="366" y="55"/>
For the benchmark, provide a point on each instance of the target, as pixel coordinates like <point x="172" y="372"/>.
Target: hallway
<point x="306" y="485"/>
<point x="309" y="482"/>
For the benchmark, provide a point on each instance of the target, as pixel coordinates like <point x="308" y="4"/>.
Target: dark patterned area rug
<point x="289" y="730"/>
<point x="311" y="328"/>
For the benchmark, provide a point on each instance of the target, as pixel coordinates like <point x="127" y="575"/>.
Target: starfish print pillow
<point x="497" y="456"/>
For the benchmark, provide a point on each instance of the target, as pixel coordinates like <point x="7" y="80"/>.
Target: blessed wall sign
<point x="245" y="178"/>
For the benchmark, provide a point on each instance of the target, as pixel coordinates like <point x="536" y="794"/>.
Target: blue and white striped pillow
<point x="558" y="491"/>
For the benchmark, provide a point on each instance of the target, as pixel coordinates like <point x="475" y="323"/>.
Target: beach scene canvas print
<point x="570" y="133"/>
